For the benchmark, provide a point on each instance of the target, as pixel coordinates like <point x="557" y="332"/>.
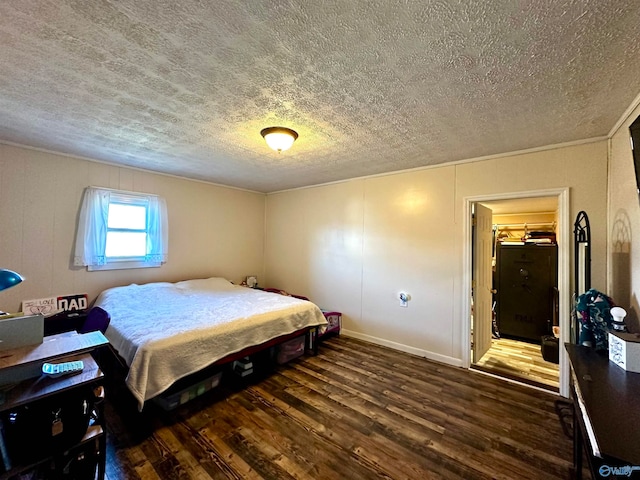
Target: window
<point x="121" y="230"/>
<point x="126" y="230"/>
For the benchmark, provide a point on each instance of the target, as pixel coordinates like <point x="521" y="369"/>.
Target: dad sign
<point x="72" y="302"/>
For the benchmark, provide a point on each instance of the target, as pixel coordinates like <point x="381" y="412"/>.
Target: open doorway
<point x="515" y="301"/>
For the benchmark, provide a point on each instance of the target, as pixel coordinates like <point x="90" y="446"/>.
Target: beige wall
<point x="624" y="225"/>
<point x="213" y="231"/>
<point x="354" y="246"/>
<point x="350" y="246"/>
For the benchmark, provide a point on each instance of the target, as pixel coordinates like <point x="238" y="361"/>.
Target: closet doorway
<point x="515" y="300"/>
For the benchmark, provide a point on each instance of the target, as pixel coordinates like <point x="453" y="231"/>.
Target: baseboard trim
<point x="456" y="362"/>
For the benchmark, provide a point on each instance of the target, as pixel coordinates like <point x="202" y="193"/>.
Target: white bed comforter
<point x="166" y="331"/>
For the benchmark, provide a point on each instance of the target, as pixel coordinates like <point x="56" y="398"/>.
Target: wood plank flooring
<point x="520" y="361"/>
<point x="354" y="411"/>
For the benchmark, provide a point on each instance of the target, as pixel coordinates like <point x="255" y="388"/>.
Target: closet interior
<point x="525" y="291"/>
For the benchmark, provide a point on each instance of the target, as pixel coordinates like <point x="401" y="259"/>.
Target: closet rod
<point x="539" y="224"/>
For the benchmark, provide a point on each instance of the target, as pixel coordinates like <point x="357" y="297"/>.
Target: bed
<point x="167" y="331"/>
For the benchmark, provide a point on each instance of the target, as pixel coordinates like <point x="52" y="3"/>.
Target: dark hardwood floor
<point x="354" y="411"/>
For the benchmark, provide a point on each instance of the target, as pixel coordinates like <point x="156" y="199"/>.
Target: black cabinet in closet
<point x="526" y="282"/>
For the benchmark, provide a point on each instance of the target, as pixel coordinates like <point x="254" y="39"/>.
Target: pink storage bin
<point x="335" y="322"/>
<point x="290" y="349"/>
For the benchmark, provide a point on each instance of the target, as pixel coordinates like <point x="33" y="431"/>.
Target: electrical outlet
<point x="404" y="299"/>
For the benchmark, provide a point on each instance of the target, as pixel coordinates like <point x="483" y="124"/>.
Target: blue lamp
<point x="9" y="278"/>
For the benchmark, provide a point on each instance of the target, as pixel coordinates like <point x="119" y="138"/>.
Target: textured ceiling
<point x="184" y="87"/>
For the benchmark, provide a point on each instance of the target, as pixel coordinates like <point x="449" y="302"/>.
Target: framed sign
<point x="52" y="305"/>
<point x="72" y="302"/>
<point x="40" y="306"/>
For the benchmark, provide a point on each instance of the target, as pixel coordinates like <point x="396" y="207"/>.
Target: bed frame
<point x="116" y="368"/>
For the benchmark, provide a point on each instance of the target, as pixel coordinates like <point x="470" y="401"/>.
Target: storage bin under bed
<point x="287" y="351"/>
<point x="172" y="399"/>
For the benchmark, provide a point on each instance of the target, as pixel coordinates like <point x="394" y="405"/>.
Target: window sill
<point x="122" y="266"/>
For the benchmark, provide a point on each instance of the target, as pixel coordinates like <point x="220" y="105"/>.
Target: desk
<point x="51" y="455"/>
<point x="607" y="414"/>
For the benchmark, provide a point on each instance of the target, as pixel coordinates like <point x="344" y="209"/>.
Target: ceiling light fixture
<point x="279" y="138"/>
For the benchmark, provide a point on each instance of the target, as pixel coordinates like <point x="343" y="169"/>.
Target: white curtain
<point x="91" y="239"/>
<point x="157" y="231"/>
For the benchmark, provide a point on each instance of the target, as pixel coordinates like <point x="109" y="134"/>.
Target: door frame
<point x="564" y="277"/>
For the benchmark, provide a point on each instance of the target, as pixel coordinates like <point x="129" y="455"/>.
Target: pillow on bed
<point x="213" y="283"/>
